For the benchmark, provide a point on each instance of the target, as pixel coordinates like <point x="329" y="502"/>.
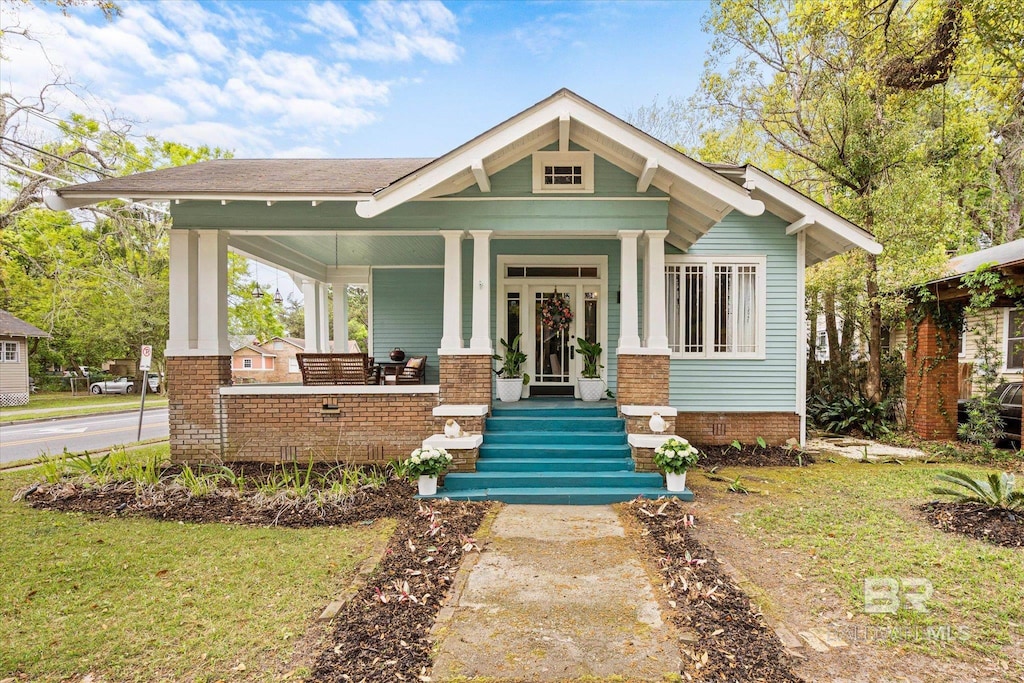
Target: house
<point x="940" y="362"/>
<point x="690" y="276"/>
<point x="14" y="381"/>
<point x="272" y="361"/>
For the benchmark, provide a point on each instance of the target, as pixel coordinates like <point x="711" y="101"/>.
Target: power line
<point x="47" y="176"/>
<point x="56" y="156"/>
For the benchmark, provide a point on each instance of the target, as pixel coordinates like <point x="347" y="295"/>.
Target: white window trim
<point x="709" y="262"/>
<point x="583" y="159"/>
<point x="1006" y="342"/>
<point x="3" y="352"/>
<point x="249" y="366"/>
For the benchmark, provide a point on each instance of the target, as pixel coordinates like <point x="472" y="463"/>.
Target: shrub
<point x="676" y="455"/>
<point x="995" y="490"/>
<point x="843" y="415"/>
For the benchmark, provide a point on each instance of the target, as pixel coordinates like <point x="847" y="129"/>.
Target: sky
<point x="353" y="79"/>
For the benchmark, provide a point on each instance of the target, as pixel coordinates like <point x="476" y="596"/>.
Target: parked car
<point x="121" y="385"/>
<point x="154" y="383"/>
<point x="1009" y="396"/>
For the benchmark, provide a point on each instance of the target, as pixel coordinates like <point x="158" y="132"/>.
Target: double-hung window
<point x="9" y="352"/>
<point x="1014" y="339"/>
<point x="715" y="306"/>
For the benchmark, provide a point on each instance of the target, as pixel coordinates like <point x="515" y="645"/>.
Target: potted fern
<point x="590" y="383"/>
<point x="511" y="378"/>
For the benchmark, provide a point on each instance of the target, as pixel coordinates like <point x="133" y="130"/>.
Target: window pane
<point x="746" y="309"/>
<point x="724" y="309"/>
<point x="1015" y="340"/>
<point x="590" y="300"/>
<point x="512" y="325"/>
<point x="693" y="311"/>
<point x="672" y="308"/>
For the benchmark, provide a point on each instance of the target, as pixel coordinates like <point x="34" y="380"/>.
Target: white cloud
<point x="330" y="20"/>
<point x="401" y="31"/>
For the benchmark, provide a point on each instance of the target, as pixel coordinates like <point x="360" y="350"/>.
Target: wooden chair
<point x="329" y="369"/>
<point x="413" y="372"/>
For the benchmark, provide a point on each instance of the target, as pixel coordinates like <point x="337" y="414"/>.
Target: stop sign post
<point x="145" y="363"/>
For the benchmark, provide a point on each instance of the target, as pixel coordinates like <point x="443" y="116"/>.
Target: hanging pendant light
<point x="278" y="299"/>
<point x="257" y="292"/>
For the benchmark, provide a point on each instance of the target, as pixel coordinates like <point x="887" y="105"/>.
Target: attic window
<point x="563" y="172"/>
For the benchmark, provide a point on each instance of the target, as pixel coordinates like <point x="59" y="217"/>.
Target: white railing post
<point x="629" y="338"/>
<point x="481" y="339"/>
<point x="654" y="314"/>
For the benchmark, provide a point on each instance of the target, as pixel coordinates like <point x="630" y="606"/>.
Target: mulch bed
<point x="732" y="641"/>
<point x="753" y="456"/>
<point x="998" y="527"/>
<point x="383" y="632"/>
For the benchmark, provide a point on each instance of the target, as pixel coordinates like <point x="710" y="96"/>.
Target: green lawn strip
<point x="64" y="405"/>
<point x="142" y="600"/>
<point x="859" y="522"/>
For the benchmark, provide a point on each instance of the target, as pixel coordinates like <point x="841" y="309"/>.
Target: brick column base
<point x="463" y="460"/>
<point x="642" y="380"/>
<point x="643" y="458"/>
<point x="465" y="380"/>
<point x="194" y="406"/>
<point x="932" y="380"/>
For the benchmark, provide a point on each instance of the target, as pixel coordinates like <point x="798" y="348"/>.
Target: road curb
<point x="34" y="462"/>
<point x="37" y="420"/>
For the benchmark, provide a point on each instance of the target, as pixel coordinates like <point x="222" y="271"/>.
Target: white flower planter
<point x="591" y="389"/>
<point x="674" y="482"/>
<point x="427" y="485"/>
<point x="509" y="390"/>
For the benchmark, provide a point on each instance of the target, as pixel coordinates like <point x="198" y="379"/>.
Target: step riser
<point x="591" y="480"/>
<point x="540" y="497"/>
<point x="560" y="465"/>
<point x="540" y="424"/>
<point x="543" y="438"/>
<point x="554" y="412"/>
<point x="513" y="452"/>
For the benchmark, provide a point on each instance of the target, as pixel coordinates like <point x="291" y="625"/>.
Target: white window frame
<point x="247" y="363"/>
<point x="585" y="160"/>
<point x="8" y="345"/>
<point x="1006" y="340"/>
<point x="760" y="279"/>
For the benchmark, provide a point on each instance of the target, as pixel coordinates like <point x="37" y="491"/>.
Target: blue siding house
<point x="689" y="275"/>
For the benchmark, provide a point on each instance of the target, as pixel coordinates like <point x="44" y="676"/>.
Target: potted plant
<point x="590" y="382"/>
<point x="511" y="378"/>
<point x="427" y="464"/>
<point x="675" y="456"/>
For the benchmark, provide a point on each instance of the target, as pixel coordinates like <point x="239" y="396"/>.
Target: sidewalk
<point x="557" y="593"/>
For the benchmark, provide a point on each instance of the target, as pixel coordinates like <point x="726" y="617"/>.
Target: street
<point x="89" y="433"/>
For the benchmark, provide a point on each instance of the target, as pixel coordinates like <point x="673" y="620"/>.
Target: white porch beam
<point x="212" y="306"/>
<point x="451" y="331"/>
<point x="481" y="338"/>
<point x="799" y="225"/>
<point x="480" y="174"/>
<point x="629" y="338"/>
<point x="310" y="317"/>
<point x="323" y="340"/>
<point x="563" y="133"/>
<point x="340" y="317"/>
<point x="646" y="175"/>
<point x="267" y="250"/>
<point x="654" y="314"/>
<point x="184" y="293"/>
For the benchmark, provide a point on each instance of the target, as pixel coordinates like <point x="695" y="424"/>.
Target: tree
<point x="250" y="315"/>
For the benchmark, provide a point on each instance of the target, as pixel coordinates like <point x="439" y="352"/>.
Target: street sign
<point x="146" y="358"/>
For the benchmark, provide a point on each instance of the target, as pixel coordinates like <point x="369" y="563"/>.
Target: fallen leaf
<point x="240" y="667"/>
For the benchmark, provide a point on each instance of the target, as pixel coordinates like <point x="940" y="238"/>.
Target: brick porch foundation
<point x="932" y="380"/>
<point x="716" y="429"/>
<point x="194" y="406"/>
<point x="642" y="380"/>
<point x="465" y="380"/>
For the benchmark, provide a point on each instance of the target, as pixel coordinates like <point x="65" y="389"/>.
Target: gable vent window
<point x="563" y="172"/>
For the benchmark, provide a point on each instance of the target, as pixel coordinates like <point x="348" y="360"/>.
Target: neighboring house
<point x="690" y="276"/>
<point x="14" y="380"/>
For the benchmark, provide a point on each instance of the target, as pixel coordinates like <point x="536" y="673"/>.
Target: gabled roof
<point x="1000" y="256"/>
<point x="255" y="347"/>
<point x="16" y="327"/>
<point x="294" y="341"/>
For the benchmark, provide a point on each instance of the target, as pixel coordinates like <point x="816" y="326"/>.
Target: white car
<point x="121" y="385"/>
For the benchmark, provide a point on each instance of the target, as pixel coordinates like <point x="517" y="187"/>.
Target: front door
<point x="552" y="347"/>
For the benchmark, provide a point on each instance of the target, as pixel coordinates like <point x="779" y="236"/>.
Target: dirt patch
<point x="383" y="632"/>
<point x="999" y="527"/>
<point x="732" y="641"/>
<point x="753" y="456"/>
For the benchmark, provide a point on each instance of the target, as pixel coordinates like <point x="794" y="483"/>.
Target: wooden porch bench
<point x="330" y="369"/>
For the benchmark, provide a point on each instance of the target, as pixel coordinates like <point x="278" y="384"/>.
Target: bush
<point x="844" y="415"/>
<point x="995" y="490"/>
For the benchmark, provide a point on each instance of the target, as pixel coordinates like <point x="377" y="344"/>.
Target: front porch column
<point x="451" y="331"/>
<point x="654" y="314"/>
<point x="340" y="317"/>
<point x="212" y="306"/>
<point x="311" y="315"/>
<point x="481" y="339"/>
<point x="629" y="337"/>
<point x="183" y="335"/>
<point x="323" y="333"/>
<point x="932" y="379"/>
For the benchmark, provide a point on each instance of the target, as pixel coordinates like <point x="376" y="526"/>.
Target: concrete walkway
<point x="557" y="593"/>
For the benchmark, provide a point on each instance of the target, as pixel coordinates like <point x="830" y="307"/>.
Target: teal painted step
<point x="547" y="411"/>
<point x="560" y="495"/>
<point x="589" y="480"/>
<point x="554" y="464"/>
<point x="552" y="424"/>
<point x="555" y="438"/>
<point x="540" y="450"/>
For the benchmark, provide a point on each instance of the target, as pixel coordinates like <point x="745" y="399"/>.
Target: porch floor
<point x="555" y="451"/>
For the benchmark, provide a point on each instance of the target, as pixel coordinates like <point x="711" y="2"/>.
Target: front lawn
<point x="63" y="404"/>
<point x="140" y="600"/>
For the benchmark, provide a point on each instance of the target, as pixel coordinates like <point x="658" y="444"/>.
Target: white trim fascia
<point x="295" y="262"/>
<point x="465" y="351"/>
<point x="801" y="334"/>
<point x="347" y="232"/>
<point x="649" y="440"/>
<point x="340" y="390"/>
<point x="347" y="275"/>
<point x="823" y="217"/>
<point x="458" y="443"/>
<point x="463" y="410"/>
<point x="59" y="202"/>
<point x="548" y="196"/>
<point x="641" y="351"/>
<point x="439" y="266"/>
<point x="647" y="411"/>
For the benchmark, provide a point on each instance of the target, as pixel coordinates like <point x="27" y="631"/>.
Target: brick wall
<point x="932" y="380"/>
<point x="644" y="459"/>
<point x="465" y="380"/>
<point x="368" y="428"/>
<point x="641" y="425"/>
<point x="463" y="460"/>
<point x="193" y="384"/>
<point x="715" y="429"/>
<point x="642" y="380"/>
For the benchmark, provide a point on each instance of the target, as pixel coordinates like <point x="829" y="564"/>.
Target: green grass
<point x="141" y="600"/>
<point x="859" y="521"/>
<point x="63" y="404"/>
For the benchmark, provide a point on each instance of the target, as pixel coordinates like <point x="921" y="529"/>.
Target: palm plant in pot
<point x="590" y="382"/>
<point x="676" y="456"/>
<point x="511" y="378"/>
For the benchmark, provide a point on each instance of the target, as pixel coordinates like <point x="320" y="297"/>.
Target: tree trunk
<point x="873" y="383"/>
<point x="831" y="329"/>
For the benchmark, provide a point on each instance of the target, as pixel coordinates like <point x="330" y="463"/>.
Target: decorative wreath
<point x="555" y="312"/>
